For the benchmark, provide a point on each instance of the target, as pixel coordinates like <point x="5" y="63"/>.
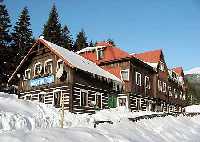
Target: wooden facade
<point x="44" y="76"/>
<point x="148" y="84"/>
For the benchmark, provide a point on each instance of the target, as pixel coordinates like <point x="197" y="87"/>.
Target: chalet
<point x="146" y="77"/>
<point x="53" y="75"/>
<point x="168" y="92"/>
<point x="137" y="91"/>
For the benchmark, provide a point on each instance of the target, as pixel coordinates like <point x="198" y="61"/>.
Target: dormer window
<point x="48" y="66"/>
<point x="125" y="74"/>
<point x="100" y="54"/>
<point x="27" y="74"/>
<point x="37" y="69"/>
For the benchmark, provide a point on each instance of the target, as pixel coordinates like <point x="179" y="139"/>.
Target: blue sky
<point x="135" y="25"/>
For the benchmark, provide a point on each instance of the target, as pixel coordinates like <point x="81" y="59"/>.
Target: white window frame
<point x="170" y="91"/>
<point x="160" y="85"/>
<point x="175" y="94"/>
<point x="98" y="55"/>
<point x="85" y="91"/>
<point x="136" y="79"/>
<point x="60" y="60"/>
<point x="127" y="71"/>
<point x="45" y="63"/>
<point x="164" y="87"/>
<point x="162" y="66"/>
<point x="122" y="97"/>
<point x="149" y="85"/>
<point x="26" y="77"/>
<point x="184" y="96"/>
<point x="38" y="63"/>
<point x="95" y="99"/>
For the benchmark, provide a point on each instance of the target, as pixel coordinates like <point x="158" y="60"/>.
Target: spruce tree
<point x="66" y="40"/>
<point x="4" y="26"/>
<point x="4" y="44"/>
<point x="52" y="29"/>
<point x="81" y="41"/>
<point x="22" y="35"/>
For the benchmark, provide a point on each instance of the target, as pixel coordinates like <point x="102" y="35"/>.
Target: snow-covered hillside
<point x="193" y="71"/>
<point x="24" y="121"/>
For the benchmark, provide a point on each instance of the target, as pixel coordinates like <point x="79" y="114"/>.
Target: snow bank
<point x="192" y="108"/>
<point x="24" y="121"/>
<point x="168" y="129"/>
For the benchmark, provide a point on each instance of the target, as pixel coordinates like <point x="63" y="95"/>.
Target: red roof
<point x="110" y="53"/>
<point x="149" y="56"/>
<point x="114" y="70"/>
<point x="178" y="70"/>
<point x="107" y="44"/>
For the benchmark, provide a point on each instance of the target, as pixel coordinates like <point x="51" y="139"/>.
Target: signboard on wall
<point x="41" y="81"/>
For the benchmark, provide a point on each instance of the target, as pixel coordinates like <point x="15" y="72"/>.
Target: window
<point x="98" y="100"/>
<point x="27" y="74"/>
<point x="175" y="93"/>
<point x="162" y="66"/>
<point x="100" y="54"/>
<point x="83" y="97"/>
<point x="57" y="98"/>
<point x="170" y="91"/>
<point x="41" y="97"/>
<point x="138" y="79"/>
<point x="184" y="97"/>
<point x="125" y="74"/>
<point x="48" y="66"/>
<point x="38" y="69"/>
<point x="138" y="104"/>
<point x="122" y="101"/>
<point x="59" y="64"/>
<point x="28" y="97"/>
<point x="160" y="85"/>
<point x="147" y="82"/>
<point x="164" y="87"/>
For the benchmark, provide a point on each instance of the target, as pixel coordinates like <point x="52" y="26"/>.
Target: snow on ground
<point x="192" y="108"/>
<point x="26" y="121"/>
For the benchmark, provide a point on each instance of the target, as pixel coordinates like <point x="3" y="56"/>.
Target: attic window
<point x="27" y="74"/>
<point x="164" y="87"/>
<point x="48" y="66"/>
<point x="100" y="54"/>
<point x="138" y="78"/>
<point x="38" y="69"/>
<point x="59" y="64"/>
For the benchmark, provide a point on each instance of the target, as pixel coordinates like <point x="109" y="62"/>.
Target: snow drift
<point x="26" y="121"/>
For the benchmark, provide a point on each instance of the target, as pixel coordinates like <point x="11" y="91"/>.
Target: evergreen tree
<point x="4" y="44"/>
<point x="91" y="44"/>
<point x="66" y="40"/>
<point x="4" y="26"/>
<point x="52" y="29"/>
<point x="22" y="35"/>
<point x="81" y="41"/>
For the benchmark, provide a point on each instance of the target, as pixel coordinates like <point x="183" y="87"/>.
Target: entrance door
<point x="138" y="104"/>
<point x="122" y="101"/>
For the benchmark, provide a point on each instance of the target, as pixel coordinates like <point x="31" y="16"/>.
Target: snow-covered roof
<point x="79" y="62"/>
<point x="75" y="60"/>
<point x="90" y="49"/>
